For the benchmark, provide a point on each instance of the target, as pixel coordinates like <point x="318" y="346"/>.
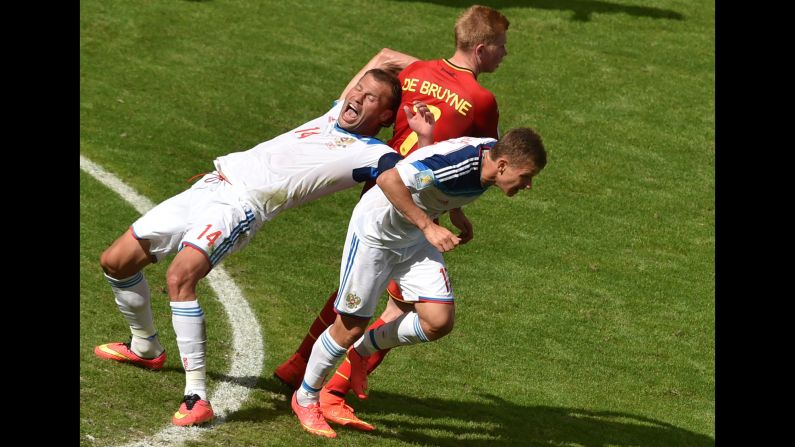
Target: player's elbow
<point x="383" y="178"/>
<point x="380" y="180"/>
<point x="388" y="55"/>
<point x="394" y="61"/>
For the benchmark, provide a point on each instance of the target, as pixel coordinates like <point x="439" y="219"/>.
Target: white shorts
<point x="365" y="271"/>
<point x="208" y="217"/>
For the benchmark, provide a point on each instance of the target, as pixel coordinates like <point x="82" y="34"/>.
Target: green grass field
<point x="585" y="308"/>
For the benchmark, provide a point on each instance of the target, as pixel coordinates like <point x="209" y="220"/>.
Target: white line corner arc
<point x="248" y="354"/>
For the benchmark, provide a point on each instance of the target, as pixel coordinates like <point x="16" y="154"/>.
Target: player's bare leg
<point x="428" y="322"/>
<point x="339" y="384"/>
<point x="126" y="256"/>
<point x="291" y="371"/>
<point x="327" y="350"/>
<point x="332" y="396"/>
<point x="122" y="264"/>
<point x="436" y="319"/>
<point x="187" y="318"/>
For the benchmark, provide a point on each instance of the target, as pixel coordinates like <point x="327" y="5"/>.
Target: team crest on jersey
<point x="343" y="142"/>
<point x="352" y="301"/>
<point x="423" y="179"/>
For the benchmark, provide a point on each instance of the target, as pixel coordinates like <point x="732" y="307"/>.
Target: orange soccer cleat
<point x="312" y="419"/>
<point x="335" y="410"/>
<point x="121" y="352"/>
<point x="193" y="411"/>
<point x="291" y="372"/>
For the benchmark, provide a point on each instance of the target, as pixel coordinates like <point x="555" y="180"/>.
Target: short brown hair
<point x="395" y="88"/>
<point x="479" y="24"/>
<point x="521" y="145"/>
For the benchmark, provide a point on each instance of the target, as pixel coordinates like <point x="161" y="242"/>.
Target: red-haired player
<point x="461" y="107"/>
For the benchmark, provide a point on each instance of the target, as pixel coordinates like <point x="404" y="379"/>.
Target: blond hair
<point x="479" y="24"/>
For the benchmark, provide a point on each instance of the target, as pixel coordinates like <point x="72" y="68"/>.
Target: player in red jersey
<point x="461" y="107"/>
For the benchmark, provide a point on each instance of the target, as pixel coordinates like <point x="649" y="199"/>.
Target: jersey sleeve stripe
<point x="455" y="175"/>
<point x="420" y="166"/>
<point x="457" y="170"/>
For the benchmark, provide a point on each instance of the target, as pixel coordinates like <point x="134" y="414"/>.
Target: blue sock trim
<point x="331" y="346"/>
<point x="371" y="335"/>
<point x="195" y="311"/>
<point x="418" y="330"/>
<point x="125" y="283"/>
<point x="308" y="388"/>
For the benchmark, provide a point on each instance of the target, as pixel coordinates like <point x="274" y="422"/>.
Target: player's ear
<point x="502" y="163"/>
<point x="387" y="117"/>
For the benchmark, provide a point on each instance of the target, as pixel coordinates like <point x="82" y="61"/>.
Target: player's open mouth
<point x="350" y="113"/>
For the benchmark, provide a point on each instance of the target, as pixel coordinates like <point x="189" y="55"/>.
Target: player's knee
<point x="346" y="330"/>
<point x="436" y="328"/>
<point x="110" y="263"/>
<point x="179" y="282"/>
<point x="355" y="334"/>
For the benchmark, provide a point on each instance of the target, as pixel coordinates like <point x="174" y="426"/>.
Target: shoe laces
<point x="191" y="400"/>
<point x="340" y="404"/>
<point x="315" y="413"/>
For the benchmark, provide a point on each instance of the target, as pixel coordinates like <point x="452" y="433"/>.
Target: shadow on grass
<point x="582" y="9"/>
<point x="259" y="413"/>
<point x="488" y="420"/>
<point x="492" y="421"/>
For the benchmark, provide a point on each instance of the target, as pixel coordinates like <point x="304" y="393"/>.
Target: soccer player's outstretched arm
<point x="386" y="59"/>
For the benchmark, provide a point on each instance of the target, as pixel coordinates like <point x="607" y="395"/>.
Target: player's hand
<point x="421" y="122"/>
<point x="459" y="219"/>
<point x="440" y="237"/>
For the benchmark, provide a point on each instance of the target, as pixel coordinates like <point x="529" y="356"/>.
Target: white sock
<point x="132" y="297"/>
<point x="188" y="321"/>
<point x="405" y="330"/>
<point x="325" y="355"/>
<point x="196" y="382"/>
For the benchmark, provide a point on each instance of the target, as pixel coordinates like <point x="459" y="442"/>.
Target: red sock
<point x="375" y="359"/>
<point x="340" y="382"/>
<point x="324" y="320"/>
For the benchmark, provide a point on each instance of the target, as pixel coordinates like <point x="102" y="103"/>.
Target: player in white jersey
<point x="220" y="213"/>
<point x="392" y="235"/>
<point x="310" y="161"/>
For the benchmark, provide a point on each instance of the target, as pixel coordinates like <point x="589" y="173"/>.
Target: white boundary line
<point x="247" y="351"/>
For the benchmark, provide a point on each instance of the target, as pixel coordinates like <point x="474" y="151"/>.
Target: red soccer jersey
<point x="461" y="106"/>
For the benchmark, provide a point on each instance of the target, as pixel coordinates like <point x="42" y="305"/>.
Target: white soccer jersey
<point x="310" y="161"/>
<point x="440" y="177"/>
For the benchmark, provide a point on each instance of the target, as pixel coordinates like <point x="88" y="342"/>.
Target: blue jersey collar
<point x="368" y="140"/>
